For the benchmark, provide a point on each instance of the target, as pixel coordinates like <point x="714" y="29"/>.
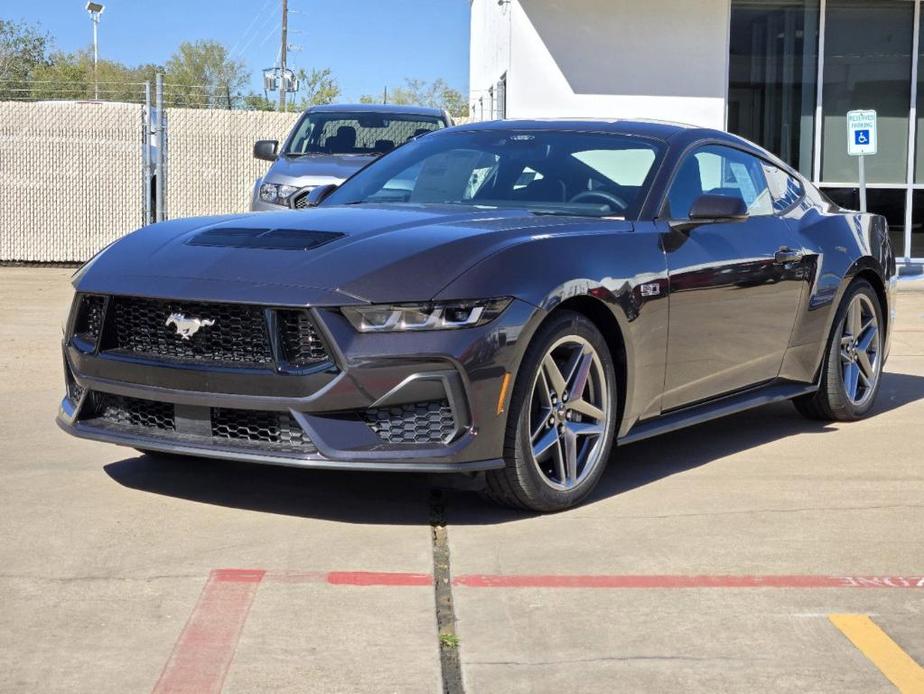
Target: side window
<point x="785" y="190"/>
<point x="717" y="170"/>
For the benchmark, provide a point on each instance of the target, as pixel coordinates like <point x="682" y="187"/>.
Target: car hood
<point x="315" y="169"/>
<point x="323" y="256"/>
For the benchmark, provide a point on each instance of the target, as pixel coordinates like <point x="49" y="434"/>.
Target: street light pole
<point x="283" y="82"/>
<point x="95" y="9"/>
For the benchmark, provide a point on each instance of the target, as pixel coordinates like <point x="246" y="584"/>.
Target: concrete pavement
<point x="109" y="557"/>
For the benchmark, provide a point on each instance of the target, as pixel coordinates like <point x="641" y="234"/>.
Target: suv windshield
<point x="326" y="132"/>
<point x="547" y="172"/>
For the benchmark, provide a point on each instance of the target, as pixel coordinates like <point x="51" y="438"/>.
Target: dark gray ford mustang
<point x="508" y="298"/>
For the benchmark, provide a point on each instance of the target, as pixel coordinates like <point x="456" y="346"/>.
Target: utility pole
<point x="283" y="82"/>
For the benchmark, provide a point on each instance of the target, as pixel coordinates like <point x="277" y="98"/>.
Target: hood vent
<point x="267" y="239"/>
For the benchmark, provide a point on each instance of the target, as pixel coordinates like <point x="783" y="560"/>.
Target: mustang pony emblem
<point x="187" y="327"/>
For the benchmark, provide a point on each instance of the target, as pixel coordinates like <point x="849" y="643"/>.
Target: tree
<point x="317" y="86"/>
<point x="71" y="76"/>
<point x="436" y="94"/>
<point x="258" y="102"/>
<point x="23" y="48"/>
<point x="202" y="74"/>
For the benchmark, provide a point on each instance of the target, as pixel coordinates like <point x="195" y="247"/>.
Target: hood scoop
<point x="265" y="239"/>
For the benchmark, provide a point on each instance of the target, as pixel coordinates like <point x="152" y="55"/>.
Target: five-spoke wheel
<point x="852" y="366"/>
<point x="562" y="417"/>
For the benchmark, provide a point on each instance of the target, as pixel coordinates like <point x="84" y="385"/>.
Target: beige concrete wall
<point x="210" y="167"/>
<point x="70" y="178"/>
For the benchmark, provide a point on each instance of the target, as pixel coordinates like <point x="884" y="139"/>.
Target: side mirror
<point x="718" y="208"/>
<point x="317" y="195"/>
<point x="265" y="149"/>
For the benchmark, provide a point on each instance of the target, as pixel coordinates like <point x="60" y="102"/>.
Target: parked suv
<point x="330" y="143"/>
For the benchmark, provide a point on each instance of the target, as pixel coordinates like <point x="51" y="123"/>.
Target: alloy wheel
<point x="569" y="413"/>
<point x="859" y="350"/>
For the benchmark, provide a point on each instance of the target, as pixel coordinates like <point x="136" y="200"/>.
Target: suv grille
<point x="301" y="343"/>
<point x="418" y="422"/>
<point x="238" y="335"/>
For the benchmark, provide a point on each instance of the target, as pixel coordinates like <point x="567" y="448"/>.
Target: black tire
<point x="831" y="402"/>
<point x="520" y="484"/>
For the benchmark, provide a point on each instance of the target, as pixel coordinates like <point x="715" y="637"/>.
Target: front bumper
<point x="330" y="403"/>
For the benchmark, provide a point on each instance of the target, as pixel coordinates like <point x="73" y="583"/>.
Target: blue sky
<point x="367" y="43"/>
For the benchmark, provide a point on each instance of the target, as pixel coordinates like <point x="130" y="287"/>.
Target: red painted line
<point x="205" y="648"/>
<point x="675" y="581"/>
<point x="374" y="578"/>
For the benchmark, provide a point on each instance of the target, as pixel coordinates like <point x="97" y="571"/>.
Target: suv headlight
<point x="276" y="193"/>
<point x="449" y="315"/>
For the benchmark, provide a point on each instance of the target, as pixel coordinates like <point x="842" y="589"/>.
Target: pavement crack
<point x="448" y="640"/>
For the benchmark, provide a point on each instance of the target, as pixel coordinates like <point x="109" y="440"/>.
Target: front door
<point x="734" y="286"/>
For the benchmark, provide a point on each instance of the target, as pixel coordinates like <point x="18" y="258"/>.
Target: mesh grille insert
<point x="134" y="412"/>
<point x="276" y="429"/>
<point x="237" y="337"/>
<point x="301" y="344"/>
<point x="420" y="422"/>
<point x="88" y="323"/>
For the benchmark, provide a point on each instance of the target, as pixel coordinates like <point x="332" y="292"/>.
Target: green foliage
<point x="316" y="87"/>
<point x="436" y="94"/>
<point x="23" y="49"/>
<point x="202" y="74"/>
<point x="258" y="102"/>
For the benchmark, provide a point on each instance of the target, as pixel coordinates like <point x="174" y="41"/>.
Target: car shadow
<point x="406" y="499"/>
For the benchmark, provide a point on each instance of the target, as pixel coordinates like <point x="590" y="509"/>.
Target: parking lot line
<point x="612" y="581"/>
<point x="899" y="667"/>
<point x="205" y="648"/>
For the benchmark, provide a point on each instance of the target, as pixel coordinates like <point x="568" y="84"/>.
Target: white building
<point x="750" y="66"/>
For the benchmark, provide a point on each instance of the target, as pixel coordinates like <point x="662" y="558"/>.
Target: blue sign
<point x="861" y="137"/>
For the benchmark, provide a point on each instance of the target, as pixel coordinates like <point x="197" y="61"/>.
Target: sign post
<point x="862" y="140"/>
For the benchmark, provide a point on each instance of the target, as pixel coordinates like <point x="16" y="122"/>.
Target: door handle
<point x="787" y="255"/>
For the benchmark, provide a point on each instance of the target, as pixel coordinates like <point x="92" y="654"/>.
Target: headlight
<point x="276" y="193"/>
<point x="432" y="316"/>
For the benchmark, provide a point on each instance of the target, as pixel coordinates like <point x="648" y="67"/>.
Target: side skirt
<point x="714" y="409"/>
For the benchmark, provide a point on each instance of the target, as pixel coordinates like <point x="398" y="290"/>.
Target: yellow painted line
<point x="502" y="396"/>
<point x="899" y="667"/>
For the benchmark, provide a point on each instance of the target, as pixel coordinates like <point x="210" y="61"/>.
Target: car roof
<point x="678" y="135"/>
<point x="662" y="130"/>
<point x="377" y="108"/>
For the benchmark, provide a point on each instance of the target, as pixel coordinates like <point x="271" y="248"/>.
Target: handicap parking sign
<point x="861" y="133"/>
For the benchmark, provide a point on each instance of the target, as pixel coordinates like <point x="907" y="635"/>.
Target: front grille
<point x="300" y="199"/>
<point x="277" y="429"/>
<point x="88" y="323"/>
<point x="254" y="429"/>
<point x="135" y="412"/>
<point x="420" y="422"/>
<point x="236" y="337"/>
<point x="301" y="344"/>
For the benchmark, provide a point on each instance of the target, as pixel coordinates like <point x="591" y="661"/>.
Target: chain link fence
<point x="210" y="164"/>
<point x="72" y="173"/>
<point x="70" y="178"/>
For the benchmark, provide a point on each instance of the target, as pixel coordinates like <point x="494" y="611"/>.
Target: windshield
<point x="357" y="133"/>
<point x="547" y="172"/>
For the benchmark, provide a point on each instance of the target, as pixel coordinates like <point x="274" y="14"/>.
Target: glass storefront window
<point x="919" y="126"/>
<point x="867" y="64"/>
<point x="773" y="62"/>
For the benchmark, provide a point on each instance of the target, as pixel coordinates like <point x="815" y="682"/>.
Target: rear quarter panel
<point x="839" y="245"/>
